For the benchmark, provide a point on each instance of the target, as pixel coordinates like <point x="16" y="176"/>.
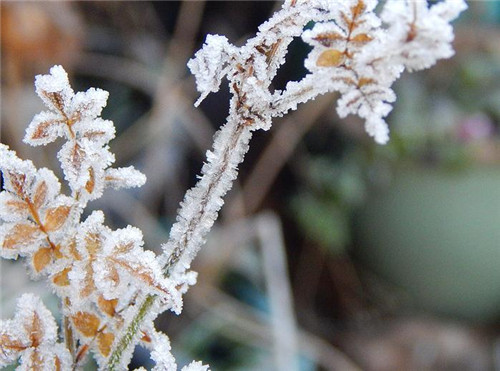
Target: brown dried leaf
<point x="104" y="342"/>
<point x="362" y="38"/>
<point x="358" y="9"/>
<point x="10" y="344"/>
<point x="21" y="235"/>
<point x="86" y="323"/>
<point x="107" y="306"/>
<point x="61" y="278"/>
<point x="89" y="186"/>
<point x="18" y="183"/>
<point x="57" y="364"/>
<point x="94" y="134"/>
<point x="328" y="38"/>
<point x="93" y="243"/>
<point x="76" y="156"/>
<point x="42" y="258"/>
<point x="55" y="217"/>
<point x="73" y="250"/>
<point x="40" y="194"/>
<point x="56" y="99"/>
<point x="35" y="330"/>
<point x="365" y="81"/>
<point x="330" y="58"/>
<point x="89" y="287"/>
<point x="36" y="361"/>
<point x="42" y="129"/>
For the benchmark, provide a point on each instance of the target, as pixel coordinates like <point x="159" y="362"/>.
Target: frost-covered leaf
<point x="210" y="64"/>
<point x="54" y="89"/>
<point x="418" y="35"/>
<point x="45" y="128"/>
<point x="107" y="306"/>
<point x="20" y="238"/>
<point x="32" y="335"/>
<point x="96" y="130"/>
<point x="42" y="258"/>
<point x="61" y="278"/>
<point x="12" y="208"/>
<point x="104" y="342"/>
<point x="88" y="104"/>
<point x="86" y="323"/>
<point x="124" y="262"/>
<point x="124" y="177"/>
<point x="55" y="217"/>
<point x="330" y="58"/>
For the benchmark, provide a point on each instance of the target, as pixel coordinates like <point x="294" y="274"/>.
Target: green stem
<point x="132" y="329"/>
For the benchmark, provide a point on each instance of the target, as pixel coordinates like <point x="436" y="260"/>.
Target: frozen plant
<point x="111" y="289"/>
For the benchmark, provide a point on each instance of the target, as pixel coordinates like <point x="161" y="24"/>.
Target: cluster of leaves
<point x="98" y="273"/>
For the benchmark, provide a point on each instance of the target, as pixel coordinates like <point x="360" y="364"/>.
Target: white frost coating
<point x="202" y="203"/>
<point x="32" y="335"/>
<point x="210" y="65"/>
<point x="195" y="366"/>
<point x="124" y="177"/>
<point x="55" y="82"/>
<point x="85" y="156"/>
<point x="161" y="352"/>
<point x="418" y="35"/>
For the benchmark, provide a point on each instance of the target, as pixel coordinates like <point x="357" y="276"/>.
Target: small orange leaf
<point x="362" y="38"/>
<point x="42" y="258"/>
<point x="61" y="278"/>
<point x="107" y="306"/>
<point x="104" y="342"/>
<point x="330" y="58"/>
<point x="55" y="217"/>
<point x="86" y="323"/>
<point x="358" y="9"/>
<point x="40" y="194"/>
<point x="21" y="235"/>
<point x="7" y="343"/>
<point x="89" y="186"/>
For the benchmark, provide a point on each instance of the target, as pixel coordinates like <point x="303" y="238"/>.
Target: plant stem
<point x="130" y="333"/>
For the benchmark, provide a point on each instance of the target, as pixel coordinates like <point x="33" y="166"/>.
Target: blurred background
<point x="332" y="252"/>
